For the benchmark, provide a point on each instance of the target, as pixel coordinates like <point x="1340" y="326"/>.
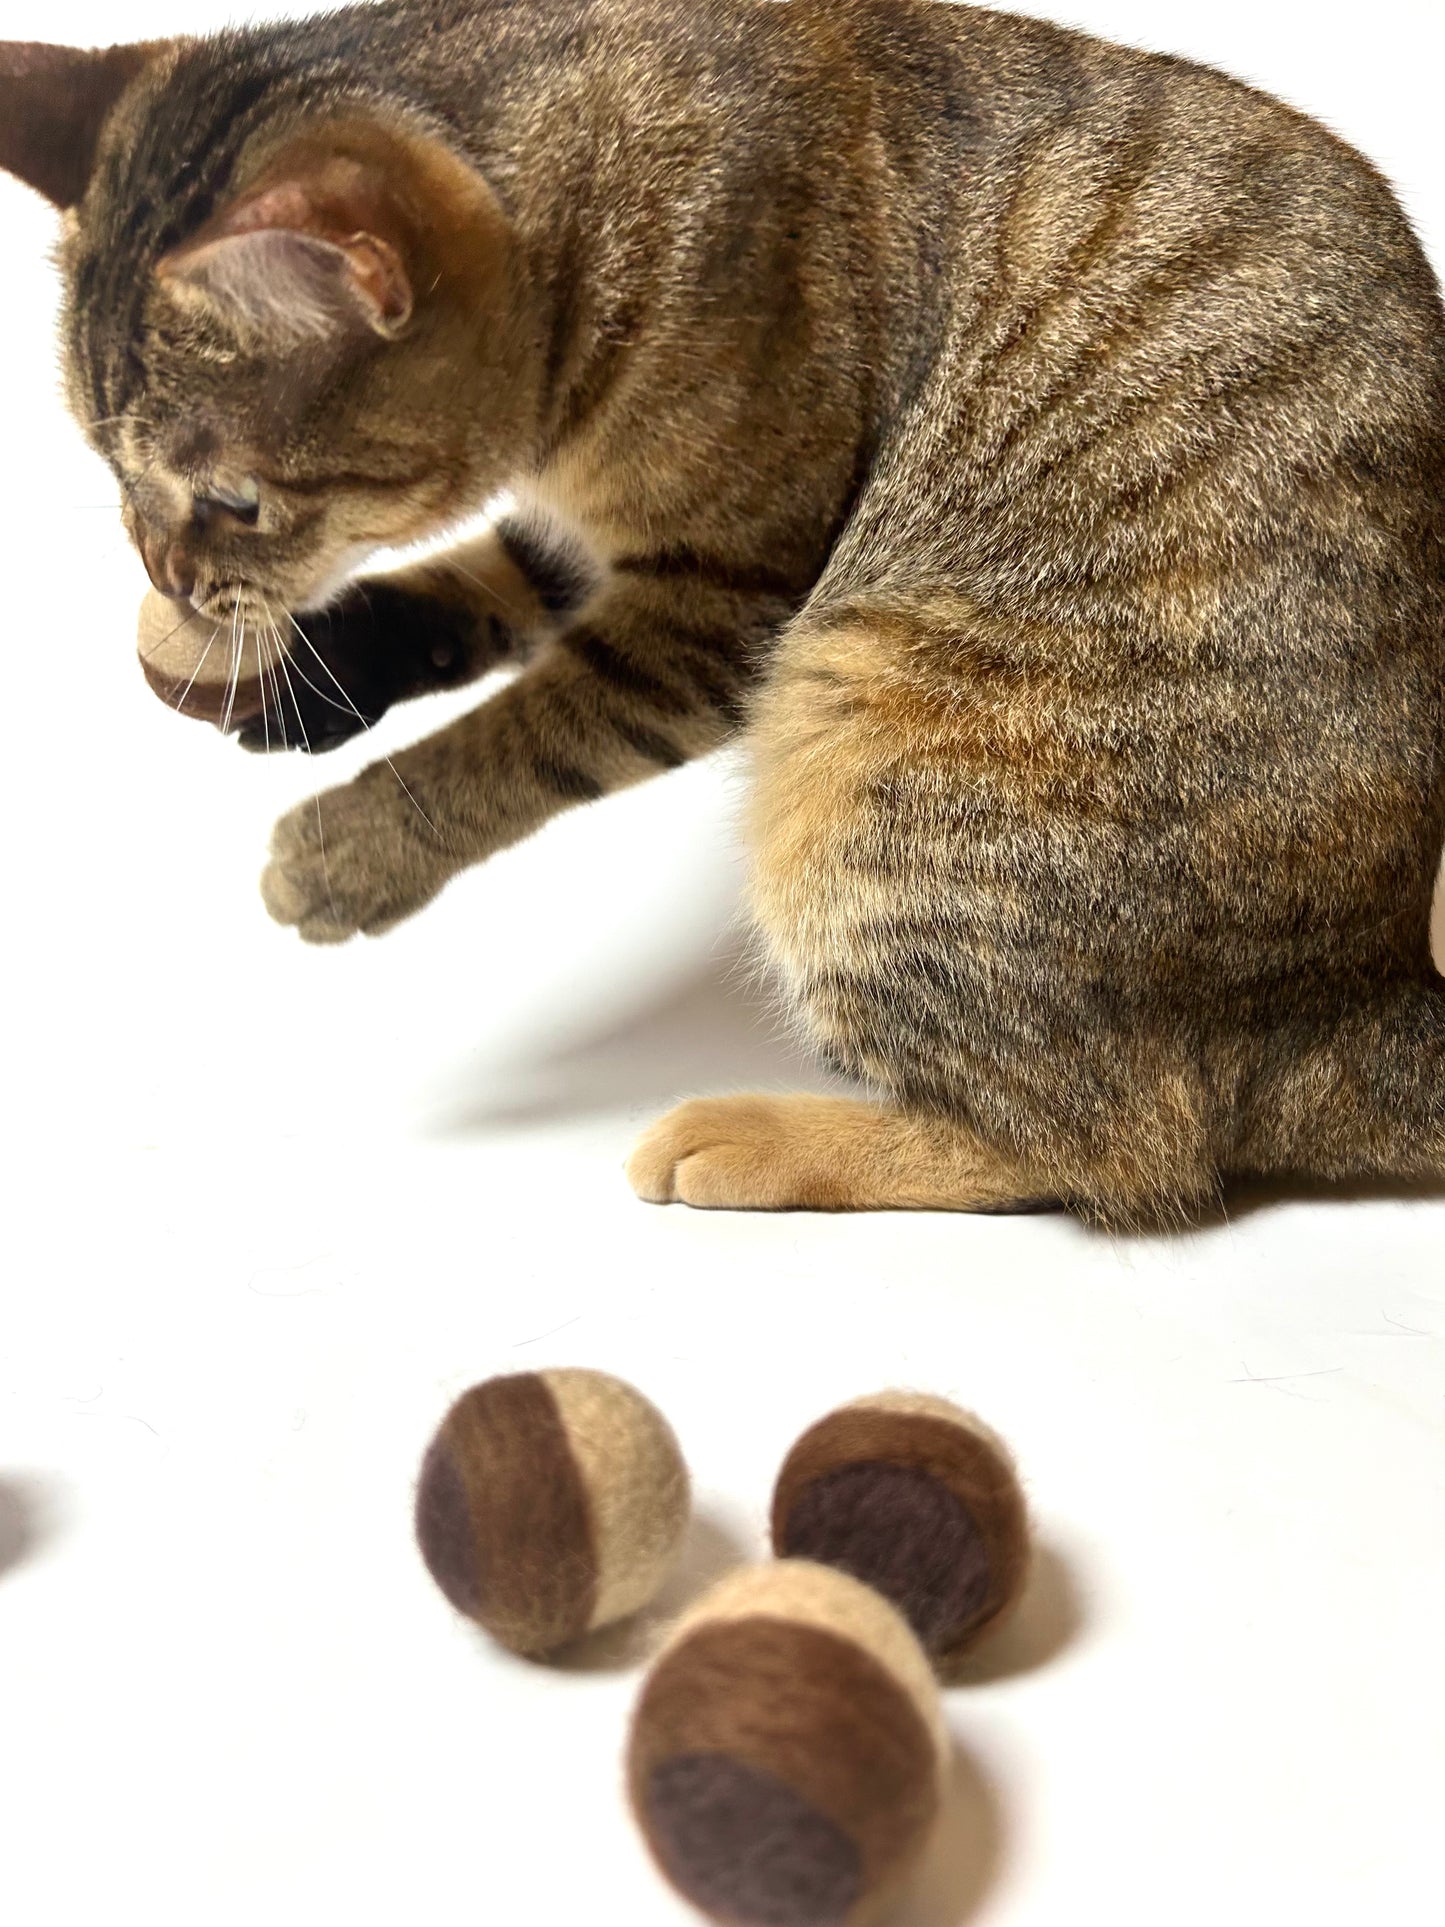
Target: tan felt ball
<point x="550" y="1504"/>
<point x="920" y="1500"/>
<point x="190" y="662"/>
<point x="787" y="1756"/>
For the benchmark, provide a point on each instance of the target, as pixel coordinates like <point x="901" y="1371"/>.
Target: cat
<point x="1035" y="448"/>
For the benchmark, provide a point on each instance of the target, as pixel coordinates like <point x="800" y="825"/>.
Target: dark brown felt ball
<point x="550" y="1504"/>
<point x="787" y="1755"/>
<point x="918" y="1499"/>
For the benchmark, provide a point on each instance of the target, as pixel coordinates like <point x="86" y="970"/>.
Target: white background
<point x="269" y="1209"/>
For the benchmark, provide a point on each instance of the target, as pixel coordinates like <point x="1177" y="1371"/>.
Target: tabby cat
<point x="1036" y="447"/>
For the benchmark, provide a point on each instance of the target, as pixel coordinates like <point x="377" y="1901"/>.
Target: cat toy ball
<point x="918" y="1499"/>
<point x="551" y="1504"/>
<point x="787" y="1757"/>
<point x="200" y="667"/>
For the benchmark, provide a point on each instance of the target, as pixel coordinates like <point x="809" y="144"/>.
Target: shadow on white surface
<point x="23" y="1522"/>
<point x="967" y="1853"/>
<point x="1259" y="1195"/>
<point x="714" y="1027"/>
<point x="1048" y="1619"/>
<point x="711" y="1552"/>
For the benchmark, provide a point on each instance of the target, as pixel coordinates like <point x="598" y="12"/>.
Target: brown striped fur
<point x="1039" y="444"/>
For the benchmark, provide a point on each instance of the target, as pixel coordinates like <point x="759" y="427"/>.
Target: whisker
<point x="266" y="700"/>
<point x="177" y="630"/>
<point x="485" y="587"/>
<point x="301" y="725"/>
<point x="238" y="649"/>
<point x="330" y="701"/>
<point x="273" y="636"/>
<point x="364" y="724"/>
<point x="180" y="701"/>
<point x="278" y="670"/>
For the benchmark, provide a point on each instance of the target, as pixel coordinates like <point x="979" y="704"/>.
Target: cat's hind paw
<point x="810" y="1153"/>
<point x="743" y="1153"/>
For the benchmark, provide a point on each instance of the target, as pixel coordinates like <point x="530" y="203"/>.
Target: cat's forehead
<point x="158" y="178"/>
<point x="155" y="399"/>
<point x="157" y="386"/>
<point x="145" y="444"/>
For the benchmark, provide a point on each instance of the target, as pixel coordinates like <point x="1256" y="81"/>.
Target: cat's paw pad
<point x="354" y="861"/>
<point x="735" y="1153"/>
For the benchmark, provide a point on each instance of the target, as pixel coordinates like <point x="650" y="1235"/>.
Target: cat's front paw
<point x="344" y="667"/>
<point x="298" y="714"/>
<point x="355" y="860"/>
<point x="335" y="677"/>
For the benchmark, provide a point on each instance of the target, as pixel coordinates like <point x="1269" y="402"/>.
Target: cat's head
<point x="291" y="313"/>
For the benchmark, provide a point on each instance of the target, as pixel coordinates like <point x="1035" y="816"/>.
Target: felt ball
<point x="551" y="1504"/>
<point x="191" y="662"/>
<point x="787" y="1755"/>
<point x="918" y="1499"/>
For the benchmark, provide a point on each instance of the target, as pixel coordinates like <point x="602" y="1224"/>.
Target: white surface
<point x="270" y="1208"/>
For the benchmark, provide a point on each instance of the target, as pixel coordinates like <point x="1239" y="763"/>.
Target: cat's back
<point x="1154" y="302"/>
<point x="1046" y="117"/>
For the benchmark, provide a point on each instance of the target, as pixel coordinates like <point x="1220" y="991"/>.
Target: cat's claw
<point x="355" y="860"/>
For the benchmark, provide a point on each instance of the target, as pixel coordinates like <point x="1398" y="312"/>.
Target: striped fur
<point x="1039" y="446"/>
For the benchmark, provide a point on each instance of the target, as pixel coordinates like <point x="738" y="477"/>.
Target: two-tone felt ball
<point x="551" y="1504"/>
<point x="198" y="668"/>
<point x="787" y="1756"/>
<point x="918" y="1499"/>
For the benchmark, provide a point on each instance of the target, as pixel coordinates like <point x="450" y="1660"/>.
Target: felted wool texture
<point x="787" y="1753"/>
<point x="551" y="1503"/>
<point x="502" y="1516"/>
<point x="636" y="1482"/>
<point x="191" y="662"/>
<point x="810" y="1594"/>
<point x="919" y="1499"/>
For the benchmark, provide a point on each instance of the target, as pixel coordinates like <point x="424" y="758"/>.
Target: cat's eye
<point x="241" y="500"/>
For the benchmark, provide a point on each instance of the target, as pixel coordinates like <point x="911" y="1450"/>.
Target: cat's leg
<point x="809" y="1153"/>
<point x="659" y="672"/>
<point x="922" y="888"/>
<point x="1360" y="1096"/>
<point x="438" y="625"/>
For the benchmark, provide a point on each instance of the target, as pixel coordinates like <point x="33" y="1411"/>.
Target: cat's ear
<point x="317" y="254"/>
<point x="53" y="105"/>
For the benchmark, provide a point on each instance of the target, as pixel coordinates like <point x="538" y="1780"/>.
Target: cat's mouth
<point x="243" y="616"/>
<point x="248" y="605"/>
<point x="243" y="605"/>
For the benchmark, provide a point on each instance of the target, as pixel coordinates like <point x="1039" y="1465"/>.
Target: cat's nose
<point x="170" y="570"/>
